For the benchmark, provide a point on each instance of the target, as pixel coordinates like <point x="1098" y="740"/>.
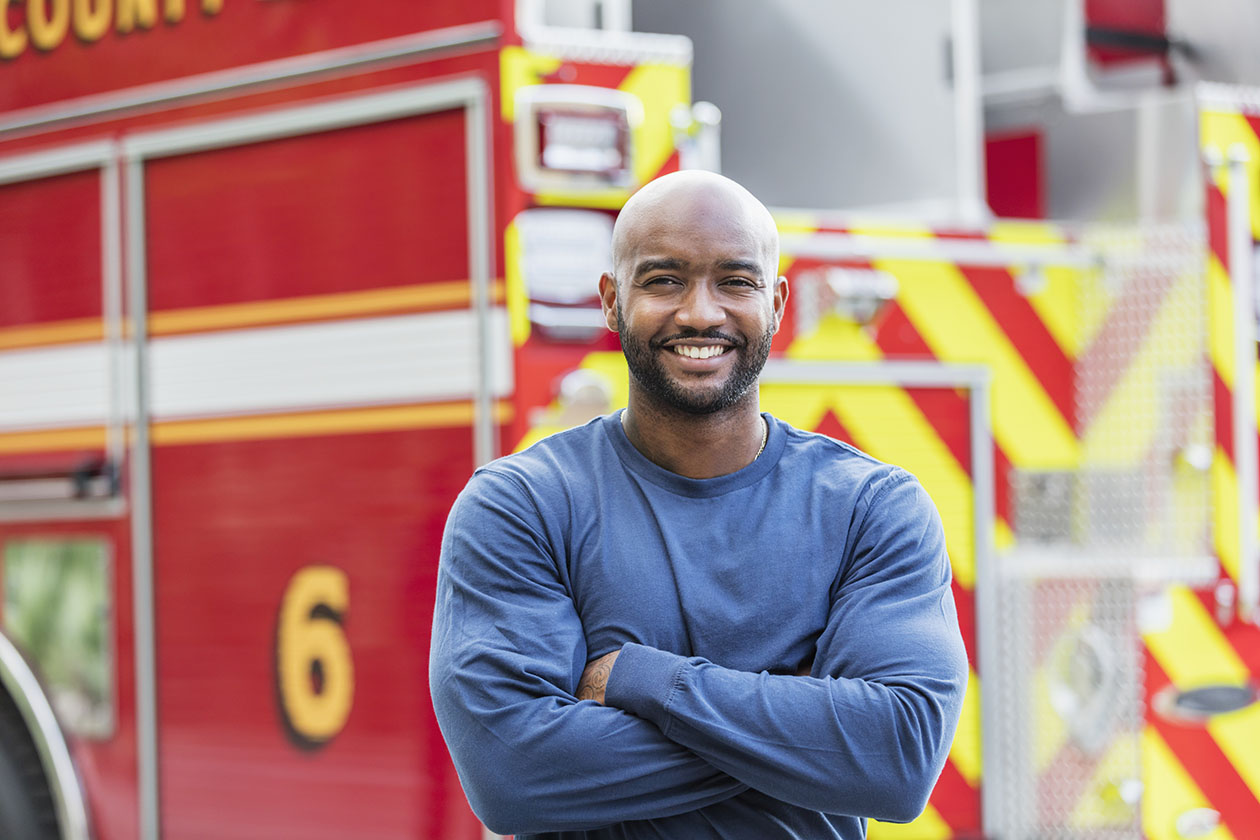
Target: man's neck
<point x="697" y="446"/>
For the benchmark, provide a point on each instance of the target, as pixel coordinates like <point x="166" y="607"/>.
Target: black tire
<point x="26" y="806"/>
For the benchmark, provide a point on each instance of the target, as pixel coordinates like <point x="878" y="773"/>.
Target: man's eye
<point x="739" y="281"/>
<point x="663" y="280"/>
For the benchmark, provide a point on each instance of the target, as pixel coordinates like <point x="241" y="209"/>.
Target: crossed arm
<point x="865" y="734"/>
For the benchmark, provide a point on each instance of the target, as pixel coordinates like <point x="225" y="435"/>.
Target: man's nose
<point x="700" y="308"/>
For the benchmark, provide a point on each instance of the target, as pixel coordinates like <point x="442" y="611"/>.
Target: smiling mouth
<point x="708" y="351"/>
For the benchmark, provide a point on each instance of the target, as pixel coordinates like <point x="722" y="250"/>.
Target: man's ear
<point x="608" y="299"/>
<point x="780" y="300"/>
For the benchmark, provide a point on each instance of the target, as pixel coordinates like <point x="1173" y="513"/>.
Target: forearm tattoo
<point x="595" y="679"/>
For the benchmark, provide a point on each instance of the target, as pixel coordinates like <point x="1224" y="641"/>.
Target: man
<point x="689" y="619"/>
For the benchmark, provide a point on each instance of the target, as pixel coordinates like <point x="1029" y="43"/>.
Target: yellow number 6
<point x="314" y="672"/>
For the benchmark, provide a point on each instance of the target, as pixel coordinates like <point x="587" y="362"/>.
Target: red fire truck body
<point x="276" y="276"/>
<point x="316" y="194"/>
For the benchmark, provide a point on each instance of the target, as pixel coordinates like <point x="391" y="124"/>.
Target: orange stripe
<point x="263" y="426"/>
<point x="400" y="299"/>
<point x="52" y="440"/>
<point x="56" y="332"/>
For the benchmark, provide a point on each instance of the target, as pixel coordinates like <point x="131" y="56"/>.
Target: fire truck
<point x="276" y="276"/>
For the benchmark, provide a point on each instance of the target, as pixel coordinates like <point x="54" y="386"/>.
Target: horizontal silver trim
<point x="907" y="374"/>
<point x="1070" y="563"/>
<point x="976" y="252"/>
<point x="351" y="362"/>
<point x="53" y="511"/>
<point x="50" y="743"/>
<point x="57" y="161"/>
<point x="321" y="63"/>
<point x="303" y="119"/>
<point x="1233" y="97"/>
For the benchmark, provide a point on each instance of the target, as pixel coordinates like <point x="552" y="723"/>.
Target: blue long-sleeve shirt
<point x="717" y="592"/>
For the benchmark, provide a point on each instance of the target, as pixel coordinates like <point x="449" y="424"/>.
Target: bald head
<point x="688" y="203"/>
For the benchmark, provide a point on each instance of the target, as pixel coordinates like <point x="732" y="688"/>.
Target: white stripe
<point x="428" y="357"/>
<point x="53" y="386"/>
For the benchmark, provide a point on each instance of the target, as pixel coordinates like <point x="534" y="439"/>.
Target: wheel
<point x="26" y="807"/>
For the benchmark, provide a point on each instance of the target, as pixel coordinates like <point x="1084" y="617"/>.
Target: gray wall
<point x="825" y="103"/>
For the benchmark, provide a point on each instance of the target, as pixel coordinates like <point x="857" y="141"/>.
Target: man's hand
<point x="595" y="677"/>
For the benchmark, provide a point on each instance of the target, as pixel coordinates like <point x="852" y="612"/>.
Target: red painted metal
<point x="342" y="211"/>
<point x="226" y="544"/>
<point x="200" y="41"/>
<point x="50" y="249"/>
<point x="368" y="207"/>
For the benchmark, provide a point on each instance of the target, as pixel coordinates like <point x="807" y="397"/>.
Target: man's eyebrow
<point x="749" y="266"/>
<point x="659" y="264"/>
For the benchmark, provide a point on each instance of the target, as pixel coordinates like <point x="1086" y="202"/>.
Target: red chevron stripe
<point x="1218" y="228"/>
<point x="1120" y="339"/>
<point x="944" y="408"/>
<point x="1028" y="333"/>
<point x="1210" y="769"/>
<point x="831" y="426"/>
<point x="1242" y="637"/>
<point x="584" y="73"/>
<point x="1253" y="120"/>
<point x="1224" y="411"/>
<point x="897" y="337"/>
<point x="957" y="802"/>
<point x="965" y="601"/>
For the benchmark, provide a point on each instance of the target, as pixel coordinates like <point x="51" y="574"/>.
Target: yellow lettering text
<point x="47" y="21"/>
<point x="91" y="19"/>
<point x="12" y="41"/>
<point x="211" y="7"/>
<point x="133" y="13"/>
<point x="174" y="11"/>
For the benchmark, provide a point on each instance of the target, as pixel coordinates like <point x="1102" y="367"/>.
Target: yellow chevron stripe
<point x="1225" y="508"/>
<point x="1187" y="532"/>
<point x="1102" y="805"/>
<point x="802" y="406"/>
<point x="611" y="366"/>
<point x="1191" y="649"/>
<point x="1237" y="734"/>
<point x="1194" y="652"/>
<point x="792" y="223"/>
<point x="514" y="285"/>
<point x="1168" y="792"/>
<point x="660" y="87"/>
<point x="957" y="326"/>
<point x="965" y="752"/>
<point x="1056" y="303"/>
<point x="929" y="826"/>
<point x="886" y="423"/>
<point x="1123" y="431"/>
<point x="1220" y="320"/>
<point x="1225" y="129"/>
<point x="1003" y="536"/>
<point x="834" y="338"/>
<point x="1051" y="730"/>
<point x="518" y="67"/>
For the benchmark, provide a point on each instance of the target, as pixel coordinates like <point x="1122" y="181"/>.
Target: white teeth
<point x="706" y="352"/>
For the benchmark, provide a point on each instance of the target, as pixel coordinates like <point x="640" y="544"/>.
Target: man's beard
<point x="647" y="369"/>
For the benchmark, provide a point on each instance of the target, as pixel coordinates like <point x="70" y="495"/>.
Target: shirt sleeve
<point x="868" y="732"/>
<point x="507" y="652"/>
